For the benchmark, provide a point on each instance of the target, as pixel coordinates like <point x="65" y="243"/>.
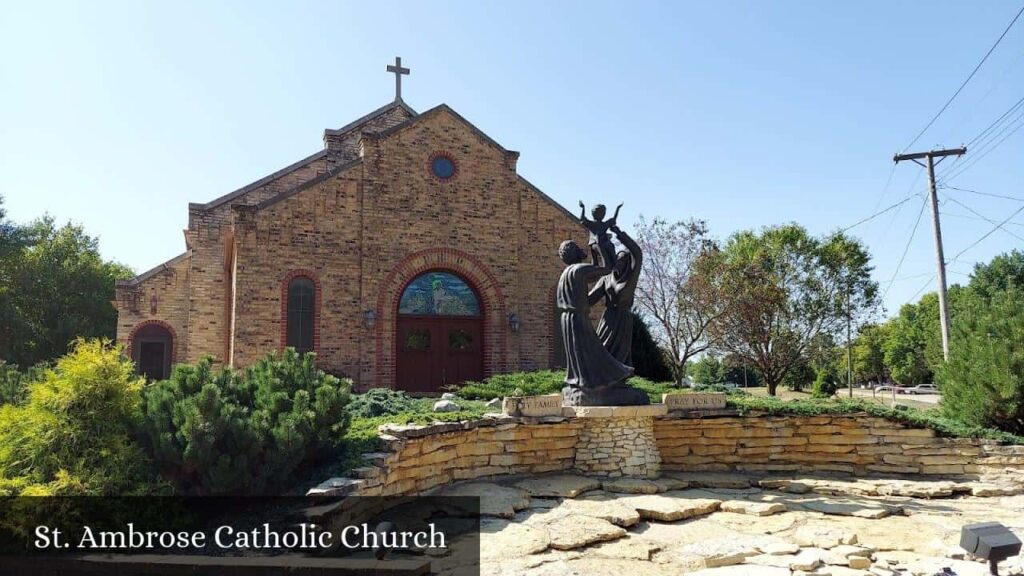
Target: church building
<point x="408" y="253"/>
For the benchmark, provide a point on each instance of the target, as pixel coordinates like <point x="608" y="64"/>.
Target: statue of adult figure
<point x="618" y="289"/>
<point x="593" y="376"/>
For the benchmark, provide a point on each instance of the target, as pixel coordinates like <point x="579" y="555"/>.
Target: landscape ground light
<point x="990" y="541"/>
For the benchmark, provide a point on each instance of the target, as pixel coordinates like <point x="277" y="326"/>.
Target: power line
<point x="922" y="288"/>
<point x="958" y="90"/>
<point x="983" y="217"/>
<point x="978" y="158"/>
<point x="880" y="212"/>
<point x="888" y="181"/>
<point x="906" y="248"/>
<point x="995" y="122"/>
<point x="985" y="137"/>
<point x="975" y="218"/>
<point x="989" y="194"/>
<point x="989" y="233"/>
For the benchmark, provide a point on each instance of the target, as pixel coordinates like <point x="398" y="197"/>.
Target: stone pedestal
<point x="617" y="440"/>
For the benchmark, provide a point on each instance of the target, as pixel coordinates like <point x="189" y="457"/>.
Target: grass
<point x="379" y="407"/>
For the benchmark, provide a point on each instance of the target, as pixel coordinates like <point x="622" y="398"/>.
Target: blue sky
<point x="117" y="114"/>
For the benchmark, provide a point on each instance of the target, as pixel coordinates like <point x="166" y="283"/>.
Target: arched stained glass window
<point x="439" y="294"/>
<point x="301" y="302"/>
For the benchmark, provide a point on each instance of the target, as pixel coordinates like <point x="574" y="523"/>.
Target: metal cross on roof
<point x="398" y="72"/>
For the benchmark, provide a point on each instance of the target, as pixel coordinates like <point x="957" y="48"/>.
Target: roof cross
<point x="398" y="71"/>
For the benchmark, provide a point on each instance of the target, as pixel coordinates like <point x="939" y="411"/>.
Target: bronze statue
<point x="617" y="289"/>
<point x="601" y="247"/>
<point x="593" y="375"/>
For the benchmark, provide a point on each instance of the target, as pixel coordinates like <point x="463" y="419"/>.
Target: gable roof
<point x="351" y="126"/>
<point x="308" y="184"/>
<point x="152" y="272"/>
<point x="433" y="112"/>
<point x="445" y="108"/>
<point x="379" y="111"/>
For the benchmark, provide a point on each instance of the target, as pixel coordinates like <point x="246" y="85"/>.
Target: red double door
<point x="437" y="351"/>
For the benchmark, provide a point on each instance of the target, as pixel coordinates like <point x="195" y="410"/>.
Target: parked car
<point x="924" y="389"/>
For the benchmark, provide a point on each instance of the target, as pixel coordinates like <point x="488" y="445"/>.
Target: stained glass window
<point x="442" y="167"/>
<point x="439" y="294"/>
<point x="299" y="333"/>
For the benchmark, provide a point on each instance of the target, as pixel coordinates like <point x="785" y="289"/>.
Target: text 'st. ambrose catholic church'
<point x="408" y="253"/>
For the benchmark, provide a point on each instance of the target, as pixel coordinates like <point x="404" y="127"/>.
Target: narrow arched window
<point x="300" y="316"/>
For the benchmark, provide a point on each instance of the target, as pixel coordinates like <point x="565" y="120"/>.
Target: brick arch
<point x="130" y="344"/>
<point x="317" y="297"/>
<point x="469" y="268"/>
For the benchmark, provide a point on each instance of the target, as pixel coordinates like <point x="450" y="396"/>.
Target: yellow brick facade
<point x="362" y="218"/>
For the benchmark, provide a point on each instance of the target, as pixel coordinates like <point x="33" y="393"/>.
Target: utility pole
<point x="849" y="342"/>
<point x="936" y="227"/>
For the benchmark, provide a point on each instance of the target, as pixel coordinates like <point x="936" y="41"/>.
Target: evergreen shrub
<point x="245" y="432"/>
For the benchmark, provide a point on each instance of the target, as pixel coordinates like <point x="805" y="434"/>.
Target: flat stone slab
<point x="779" y="548"/>
<point x="650" y="410"/>
<point x="495" y="500"/>
<point x="715" y="479"/>
<point x="500" y="539"/>
<point x="742" y="570"/>
<point x="665" y="508"/>
<point x="631" y="486"/>
<point x="558" y="486"/>
<point x="753" y="508"/>
<point x="571" y="532"/>
<point x="715" y="552"/>
<point x="630" y="547"/>
<point x="838" y="508"/>
<point x="806" y="560"/>
<point x="668" y="483"/>
<point x="603" y="567"/>
<point x="820" y="537"/>
<point x="612" y="511"/>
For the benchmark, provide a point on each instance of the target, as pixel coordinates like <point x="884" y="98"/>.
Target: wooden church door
<point x="439" y="334"/>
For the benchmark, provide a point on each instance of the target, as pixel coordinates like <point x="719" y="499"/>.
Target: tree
<point x="648" y="357"/>
<point x="1005" y="271"/>
<point x="869" y="353"/>
<point x="708" y="370"/>
<point x="983" y="382"/>
<point x="678" y="286"/>
<point x="57" y="288"/>
<point x="784" y="290"/>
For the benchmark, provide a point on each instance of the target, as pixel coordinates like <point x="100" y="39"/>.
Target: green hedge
<point x="942" y="425"/>
<point x="545" y="382"/>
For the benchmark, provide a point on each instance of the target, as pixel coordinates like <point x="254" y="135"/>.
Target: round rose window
<point x="442" y="166"/>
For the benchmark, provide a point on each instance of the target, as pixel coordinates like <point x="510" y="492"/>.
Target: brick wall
<point x="419" y="458"/>
<point x="365" y="229"/>
<point x="160" y="298"/>
<point x="370" y="229"/>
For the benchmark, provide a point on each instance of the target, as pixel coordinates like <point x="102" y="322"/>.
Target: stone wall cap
<point x="614" y="411"/>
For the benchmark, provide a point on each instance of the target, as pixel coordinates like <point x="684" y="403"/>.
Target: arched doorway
<point x="439" y="333"/>
<point x="152" y="347"/>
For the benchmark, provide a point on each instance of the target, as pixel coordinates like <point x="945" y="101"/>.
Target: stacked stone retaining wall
<point x="418" y="459"/>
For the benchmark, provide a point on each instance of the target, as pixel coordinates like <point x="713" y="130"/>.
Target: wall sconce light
<point x="370" y="317"/>
<point x="513" y="322"/>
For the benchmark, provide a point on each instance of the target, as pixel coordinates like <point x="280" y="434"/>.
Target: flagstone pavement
<point x="715" y="524"/>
